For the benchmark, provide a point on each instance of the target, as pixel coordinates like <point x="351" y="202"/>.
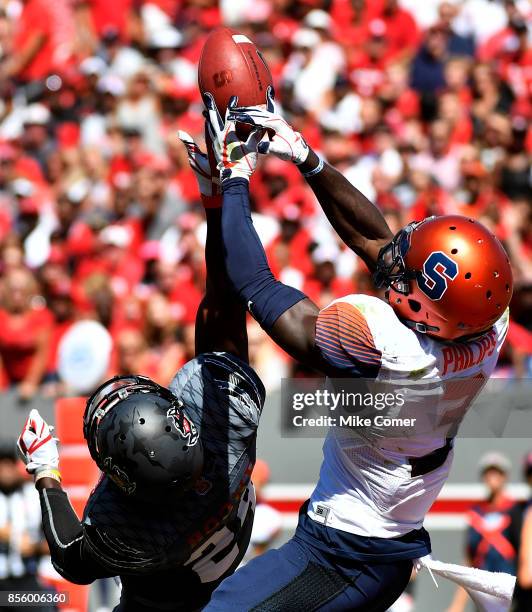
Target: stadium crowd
<point x="424" y="105"/>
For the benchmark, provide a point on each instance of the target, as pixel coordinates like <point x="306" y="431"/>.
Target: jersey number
<point x="437" y="270"/>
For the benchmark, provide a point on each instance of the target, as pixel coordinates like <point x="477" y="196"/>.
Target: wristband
<point x="211" y="201"/>
<point x="48" y="473"/>
<point x="316" y="170"/>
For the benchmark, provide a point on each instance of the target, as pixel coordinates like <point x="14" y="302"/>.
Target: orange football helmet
<point x="447" y="276"/>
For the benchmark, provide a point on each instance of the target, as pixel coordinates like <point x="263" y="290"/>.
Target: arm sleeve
<point x="64" y="535"/>
<point x="345" y="342"/>
<point x="247" y="267"/>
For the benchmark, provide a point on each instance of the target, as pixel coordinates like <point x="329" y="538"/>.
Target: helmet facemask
<point x="391" y="269"/>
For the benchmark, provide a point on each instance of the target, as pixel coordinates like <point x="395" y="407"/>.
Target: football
<point x="231" y="65"/>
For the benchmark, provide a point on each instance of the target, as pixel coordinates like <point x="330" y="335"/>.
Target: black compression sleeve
<point x="245" y="259"/>
<point x="64" y="534"/>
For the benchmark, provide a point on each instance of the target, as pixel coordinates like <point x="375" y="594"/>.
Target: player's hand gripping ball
<point x="204" y="166"/>
<point x="281" y="140"/>
<point x="235" y="158"/>
<point x="207" y="178"/>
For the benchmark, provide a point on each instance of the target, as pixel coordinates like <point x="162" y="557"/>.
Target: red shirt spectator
<point x="351" y="21"/>
<point x="291" y="248"/>
<point x="24" y="333"/>
<point x="402" y="32"/>
<point x="44" y="39"/>
<point x="177" y="284"/>
<point x="62" y="309"/>
<point x="431" y="201"/>
<point x="322" y="293"/>
<point x="110" y="16"/>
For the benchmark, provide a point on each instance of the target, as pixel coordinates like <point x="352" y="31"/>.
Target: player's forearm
<point x="358" y="222"/>
<point x="221" y="317"/>
<point x="63" y="532"/>
<point x="216" y="276"/>
<point x="245" y="259"/>
<point x="286" y="314"/>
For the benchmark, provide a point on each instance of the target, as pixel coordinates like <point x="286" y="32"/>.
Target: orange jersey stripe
<point x="345" y="340"/>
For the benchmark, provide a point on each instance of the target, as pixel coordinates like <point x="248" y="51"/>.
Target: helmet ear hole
<point x="415" y="306"/>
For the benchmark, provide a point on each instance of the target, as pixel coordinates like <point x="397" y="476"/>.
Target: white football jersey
<point x="368" y="484"/>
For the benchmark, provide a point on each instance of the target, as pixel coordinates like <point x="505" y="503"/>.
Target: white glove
<point x="236" y="159"/>
<point x="281" y="140"/>
<point x="37" y="446"/>
<point x="207" y="176"/>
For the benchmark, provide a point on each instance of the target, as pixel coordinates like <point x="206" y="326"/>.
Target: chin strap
<point x="422" y="328"/>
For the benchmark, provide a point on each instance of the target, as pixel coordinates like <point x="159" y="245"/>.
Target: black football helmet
<point x="139" y="435"/>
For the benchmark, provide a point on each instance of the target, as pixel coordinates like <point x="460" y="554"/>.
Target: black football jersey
<point x="203" y="533"/>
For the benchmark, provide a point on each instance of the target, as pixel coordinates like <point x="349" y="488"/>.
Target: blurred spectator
<point x="324" y="285"/>
<point x="289" y="253"/>
<point x="139" y="111"/>
<point x="62" y="309"/>
<point x="131" y="354"/>
<point x="25" y="328"/>
<point x="457" y="44"/>
<point x="401" y="29"/>
<point x="268" y="360"/>
<point x="489" y="543"/>
<point x="343" y="116"/>
<point x="312" y="68"/>
<point x="522" y="601"/>
<point x="422" y="105"/>
<point x="162" y="335"/>
<point x="428" y="67"/>
<point x="490" y="95"/>
<point x="442" y="158"/>
<point x="22" y="541"/>
<point x="43" y="40"/>
<point x="268" y="521"/>
<point x="493" y="18"/>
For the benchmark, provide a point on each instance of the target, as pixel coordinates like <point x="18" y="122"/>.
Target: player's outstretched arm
<point x="221" y="317"/>
<point x="358" y="222"/>
<point x="286" y="314"/>
<point x="62" y="529"/>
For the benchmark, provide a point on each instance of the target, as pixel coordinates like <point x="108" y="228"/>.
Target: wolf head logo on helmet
<point x="448" y="276"/>
<point x="184" y="426"/>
